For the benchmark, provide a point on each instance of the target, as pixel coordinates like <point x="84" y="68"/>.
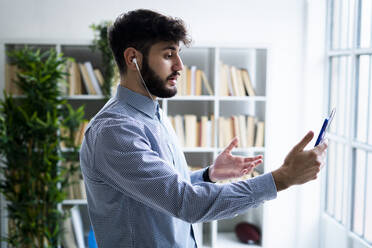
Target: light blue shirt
<point x="140" y="192"/>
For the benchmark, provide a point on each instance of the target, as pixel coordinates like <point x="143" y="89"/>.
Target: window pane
<point x="351" y="8"/>
<point x="365" y="23"/>
<point x="333" y="87"/>
<point x="362" y="104"/>
<point x="345" y="184"/>
<point x="370" y="114"/>
<point x="368" y="230"/>
<point x="330" y="177"/>
<point x="342" y="103"/>
<point x="346" y="98"/>
<point x="344" y="23"/>
<point x="338" y="180"/>
<point x="358" y="209"/>
<point x="336" y="24"/>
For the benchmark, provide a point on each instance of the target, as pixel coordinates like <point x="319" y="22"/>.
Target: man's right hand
<point x="300" y="166"/>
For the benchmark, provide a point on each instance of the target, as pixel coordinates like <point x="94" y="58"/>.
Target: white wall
<point x="278" y="24"/>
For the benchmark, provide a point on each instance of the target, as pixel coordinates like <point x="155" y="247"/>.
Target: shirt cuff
<point x="197" y="176"/>
<point x="264" y="187"/>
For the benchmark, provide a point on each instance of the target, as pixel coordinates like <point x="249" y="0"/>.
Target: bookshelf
<point x="219" y="105"/>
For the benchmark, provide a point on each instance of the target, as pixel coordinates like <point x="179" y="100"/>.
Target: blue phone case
<point x="325" y="126"/>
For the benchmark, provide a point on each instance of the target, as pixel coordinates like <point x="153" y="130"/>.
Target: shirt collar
<point x="137" y="101"/>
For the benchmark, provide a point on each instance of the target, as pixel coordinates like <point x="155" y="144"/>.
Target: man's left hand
<point x="227" y="166"/>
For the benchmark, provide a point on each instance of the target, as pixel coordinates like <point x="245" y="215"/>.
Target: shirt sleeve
<point x="197" y="176"/>
<point x="123" y="159"/>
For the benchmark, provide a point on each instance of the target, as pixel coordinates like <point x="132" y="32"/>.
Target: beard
<point x="155" y="84"/>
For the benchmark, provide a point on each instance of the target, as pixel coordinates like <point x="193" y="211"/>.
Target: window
<point x="348" y="183"/>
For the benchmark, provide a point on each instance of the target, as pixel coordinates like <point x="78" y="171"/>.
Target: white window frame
<point x="332" y="227"/>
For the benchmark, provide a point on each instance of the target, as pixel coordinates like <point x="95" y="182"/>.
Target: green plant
<point x="30" y="139"/>
<point x="100" y="42"/>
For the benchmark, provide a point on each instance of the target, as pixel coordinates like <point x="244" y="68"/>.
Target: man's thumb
<point x="303" y="143"/>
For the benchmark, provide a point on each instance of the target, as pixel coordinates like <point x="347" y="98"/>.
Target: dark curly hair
<point x="141" y="29"/>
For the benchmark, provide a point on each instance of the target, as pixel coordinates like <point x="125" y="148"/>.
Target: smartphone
<point x="325" y="126"/>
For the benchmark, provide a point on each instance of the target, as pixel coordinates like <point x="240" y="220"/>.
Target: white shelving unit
<point x="207" y="58"/>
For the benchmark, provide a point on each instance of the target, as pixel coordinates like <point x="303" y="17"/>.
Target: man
<point x="140" y="192"/>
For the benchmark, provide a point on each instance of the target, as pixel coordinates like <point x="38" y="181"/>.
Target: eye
<point x="169" y="55"/>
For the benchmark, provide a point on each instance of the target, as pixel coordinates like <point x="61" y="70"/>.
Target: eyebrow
<point x="173" y="48"/>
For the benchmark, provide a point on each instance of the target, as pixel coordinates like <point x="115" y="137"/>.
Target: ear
<point x="129" y="54"/>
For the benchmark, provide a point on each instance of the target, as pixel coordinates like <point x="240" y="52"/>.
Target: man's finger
<point x="232" y="144"/>
<point x="322" y="147"/>
<point x="253" y="158"/>
<point x="253" y="164"/>
<point x="303" y="143"/>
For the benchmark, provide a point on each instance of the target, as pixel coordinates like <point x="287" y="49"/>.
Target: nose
<point x="178" y="65"/>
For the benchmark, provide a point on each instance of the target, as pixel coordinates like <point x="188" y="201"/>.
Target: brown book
<point x="221" y="133"/>
<point x="248" y="83"/>
<point x="198" y="134"/>
<point x="180" y="129"/>
<point x="250" y="130"/>
<point x="242" y="131"/>
<point x="260" y="135"/>
<point x="86" y="79"/>
<point x="188" y="83"/>
<point x="203" y="134"/>
<point x="191" y="130"/>
<point x="198" y="83"/>
<point x="206" y="84"/>
<point x="224" y="91"/>
<point x="212" y="130"/>
<point x="74" y="80"/>
<point x="182" y="82"/>
<point x="240" y="84"/>
<point x="99" y="76"/>
<point x="234" y="81"/>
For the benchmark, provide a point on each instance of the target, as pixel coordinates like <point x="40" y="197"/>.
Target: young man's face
<point x="161" y="68"/>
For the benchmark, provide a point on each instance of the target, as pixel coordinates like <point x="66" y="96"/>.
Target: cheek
<point x="161" y="68"/>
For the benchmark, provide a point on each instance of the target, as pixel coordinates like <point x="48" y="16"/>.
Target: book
<point x="93" y="79"/>
<point x="213" y="124"/>
<point x="240" y="84"/>
<point x="198" y="83"/>
<point x="250" y="130"/>
<point x="188" y="82"/>
<point x="204" y="130"/>
<point x="224" y="91"/>
<point x="87" y="81"/>
<point x="234" y="81"/>
<point x="206" y="84"/>
<point x="247" y="82"/>
<point x="74" y="80"/>
<point x="221" y="134"/>
<point x="260" y="134"/>
<point x="243" y="131"/>
<point x="183" y="81"/>
<point x="99" y="77"/>
<point x="193" y="79"/>
<point x="230" y="91"/>
<point x="180" y="130"/>
<point x="190" y="130"/>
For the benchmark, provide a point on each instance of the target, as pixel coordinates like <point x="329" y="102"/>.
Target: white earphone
<point x="134" y="60"/>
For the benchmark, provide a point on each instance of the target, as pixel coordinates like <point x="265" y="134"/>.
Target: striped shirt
<point x="140" y="192"/>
